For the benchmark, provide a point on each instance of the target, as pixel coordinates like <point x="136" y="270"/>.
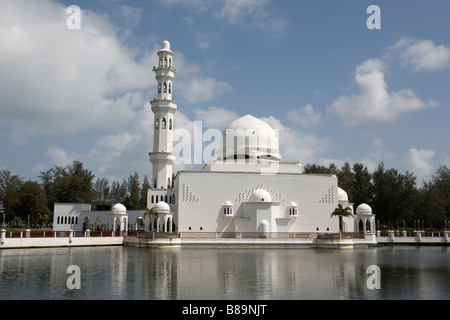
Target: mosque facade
<point x="247" y="189"/>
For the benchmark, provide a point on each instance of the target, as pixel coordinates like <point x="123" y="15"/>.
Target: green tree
<point x="341" y="212"/>
<point x="72" y="184"/>
<point x="101" y="192"/>
<point x="9" y="193"/>
<point x="133" y="192"/>
<point x="118" y="192"/>
<point x="33" y="202"/>
<point x="150" y="213"/>
<point x="394" y="196"/>
<point x="144" y="189"/>
<point x="346" y="176"/>
<point x="361" y="186"/>
<point x="434" y="200"/>
<point x="320" y="169"/>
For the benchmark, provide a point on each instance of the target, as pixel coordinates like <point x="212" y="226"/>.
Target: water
<point x="189" y="274"/>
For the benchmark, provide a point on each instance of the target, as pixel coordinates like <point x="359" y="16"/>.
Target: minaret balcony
<point x="167" y="72"/>
<point x="159" y="105"/>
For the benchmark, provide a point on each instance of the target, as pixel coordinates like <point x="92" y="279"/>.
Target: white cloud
<point x="60" y="157"/>
<point x="296" y="145"/>
<point x="419" y="162"/>
<point x="202" y="89"/>
<point x="420" y="55"/>
<point x="306" y="117"/>
<point x="214" y="117"/>
<point x="375" y="102"/>
<point x="132" y="15"/>
<point x="376" y="156"/>
<point x="236" y="10"/>
<point x="57" y="80"/>
<point x="254" y="13"/>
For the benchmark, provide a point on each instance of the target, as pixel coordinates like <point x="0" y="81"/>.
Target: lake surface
<point x="126" y="273"/>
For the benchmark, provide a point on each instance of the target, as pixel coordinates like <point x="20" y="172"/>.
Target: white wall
<point x="201" y="195"/>
<point x="64" y="213"/>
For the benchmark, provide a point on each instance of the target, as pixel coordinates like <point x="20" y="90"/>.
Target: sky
<point x="338" y="80"/>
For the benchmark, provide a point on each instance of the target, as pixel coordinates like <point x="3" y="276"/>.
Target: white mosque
<point x="246" y="190"/>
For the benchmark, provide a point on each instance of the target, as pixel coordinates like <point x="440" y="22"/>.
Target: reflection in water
<point x="281" y="274"/>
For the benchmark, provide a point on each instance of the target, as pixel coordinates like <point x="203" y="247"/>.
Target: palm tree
<point x="150" y="213"/>
<point x="342" y="212"/>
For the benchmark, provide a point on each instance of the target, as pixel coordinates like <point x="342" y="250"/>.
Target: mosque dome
<point x="249" y="138"/>
<point x="342" y="195"/>
<point x="162" y="207"/>
<point x="260" y="195"/>
<point x="165" y="46"/>
<point x="364" y="209"/>
<point x="118" y="208"/>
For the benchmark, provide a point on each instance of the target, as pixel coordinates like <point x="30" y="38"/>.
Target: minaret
<point x="163" y="108"/>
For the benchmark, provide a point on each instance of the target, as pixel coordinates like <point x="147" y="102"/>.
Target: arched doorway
<point x="86" y="224"/>
<point x="98" y="224"/>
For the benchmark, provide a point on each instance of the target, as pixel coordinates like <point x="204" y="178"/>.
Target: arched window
<point x="57" y="220"/>
<point x="161" y="62"/>
<point x="157" y="123"/>
<point x="170" y="87"/>
<point x="170" y="62"/>
<point x="228" y="209"/>
<point x="168" y="185"/>
<point x="165" y="198"/>
<point x="170" y="124"/>
<point x="159" y="87"/>
<point x="153" y="198"/>
<point x="157" y="199"/>
<point x="165" y="62"/>
<point x="164" y="87"/>
<point x="163" y="123"/>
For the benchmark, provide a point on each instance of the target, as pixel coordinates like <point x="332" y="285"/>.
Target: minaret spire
<point x="163" y="108"/>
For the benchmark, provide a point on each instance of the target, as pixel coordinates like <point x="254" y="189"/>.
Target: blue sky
<point x="336" y="90"/>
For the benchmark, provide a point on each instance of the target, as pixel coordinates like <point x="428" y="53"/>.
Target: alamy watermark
<point x="74" y="280"/>
<point x="374" y="21"/>
<point x="73" y="22"/>
<point x="374" y="279"/>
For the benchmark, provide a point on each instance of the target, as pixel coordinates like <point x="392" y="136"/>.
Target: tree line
<point x="23" y="202"/>
<point x="394" y="196"/>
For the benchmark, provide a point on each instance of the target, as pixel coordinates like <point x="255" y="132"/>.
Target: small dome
<point x="364" y="209"/>
<point x="342" y="195"/>
<point x="292" y="204"/>
<point x="118" y="208"/>
<point x="162" y="207"/>
<point x="165" y="46"/>
<point x="228" y="204"/>
<point x="260" y="195"/>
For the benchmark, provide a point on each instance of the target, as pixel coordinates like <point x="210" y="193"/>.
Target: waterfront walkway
<point x="34" y="239"/>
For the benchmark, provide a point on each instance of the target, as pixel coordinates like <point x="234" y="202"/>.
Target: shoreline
<point x="73" y="239"/>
